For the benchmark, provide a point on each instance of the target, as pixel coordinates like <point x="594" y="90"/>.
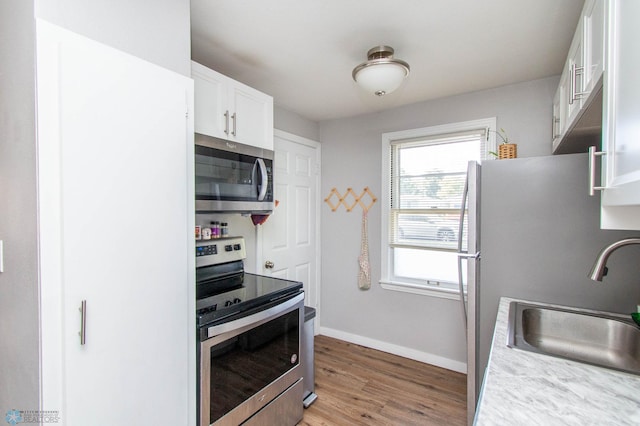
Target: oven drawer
<point x="285" y="410"/>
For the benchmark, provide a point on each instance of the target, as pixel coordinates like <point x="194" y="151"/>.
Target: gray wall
<point x="546" y="251"/>
<point x="291" y="122"/>
<point x="159" y="34"/>
<point x="351" y="157"/>
<point x="19" y="330"/>
<point x="158" y="31"/>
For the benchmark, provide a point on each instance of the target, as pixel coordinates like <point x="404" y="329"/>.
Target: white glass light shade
<point x="381" y="78"/>
<point x="381" y="74"/>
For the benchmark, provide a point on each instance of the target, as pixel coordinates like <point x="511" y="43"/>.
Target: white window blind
<point x="424" y="172"/>
<point x="427" y="177"/>
<point x="427" y="180"/>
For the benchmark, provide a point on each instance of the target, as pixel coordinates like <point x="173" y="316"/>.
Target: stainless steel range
<point x="249" y="337"/>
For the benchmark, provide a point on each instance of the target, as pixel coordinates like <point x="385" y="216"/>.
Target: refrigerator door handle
<point x="461" y="254"/>
<point x="463" y="207"/>
<point x="469" y="255"/>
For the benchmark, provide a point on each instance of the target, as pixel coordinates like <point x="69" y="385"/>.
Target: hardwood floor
<point x="361" y="386"/>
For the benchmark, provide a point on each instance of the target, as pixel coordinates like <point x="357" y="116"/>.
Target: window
<point x="423" y="181"/>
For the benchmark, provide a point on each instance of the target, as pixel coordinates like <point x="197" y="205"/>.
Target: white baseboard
<point x="438" y="361"/>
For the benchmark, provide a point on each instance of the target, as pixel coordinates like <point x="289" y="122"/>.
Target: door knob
<point x="269" y="264"/>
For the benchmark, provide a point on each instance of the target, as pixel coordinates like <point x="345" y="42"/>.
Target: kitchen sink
<point x="603" y="339"/>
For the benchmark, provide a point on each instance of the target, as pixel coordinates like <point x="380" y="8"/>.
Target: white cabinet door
<point x="594" y="41"/>
<point x="575" y="62"/>
<point x="620" y="131"/>
<point x="556" y="124"/>
<point x="116" y="220"/>
<point x="252" y="118"/>
<point x="560" y="110"/>
<point x="212" y="116"/>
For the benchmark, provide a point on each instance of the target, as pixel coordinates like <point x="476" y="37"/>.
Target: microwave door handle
<point x="263" y="183"/>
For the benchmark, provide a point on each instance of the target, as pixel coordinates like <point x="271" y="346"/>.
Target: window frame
<point x="389" y="139"/>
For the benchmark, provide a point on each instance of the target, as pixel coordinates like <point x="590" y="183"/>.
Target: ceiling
<point x="302" y="52"/>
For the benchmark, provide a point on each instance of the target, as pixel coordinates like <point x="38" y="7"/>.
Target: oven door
<point x="232" y="176"/>
<point x="247" y="363"/>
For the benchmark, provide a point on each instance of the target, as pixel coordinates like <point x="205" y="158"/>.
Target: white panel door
<point x="290" y="234"/>
<point x="116" y="209"/>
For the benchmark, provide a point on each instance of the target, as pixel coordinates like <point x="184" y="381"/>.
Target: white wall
<point x="426" y="327"/>
<point x="19" y="332"/>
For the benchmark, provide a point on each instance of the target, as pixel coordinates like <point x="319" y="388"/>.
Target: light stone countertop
<point x="526" y="388"/>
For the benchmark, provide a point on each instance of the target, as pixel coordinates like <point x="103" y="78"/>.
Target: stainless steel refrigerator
<point x="534" y="233"/>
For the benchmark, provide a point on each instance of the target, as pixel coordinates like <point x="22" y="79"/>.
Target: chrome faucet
<point x="599" y="267"/>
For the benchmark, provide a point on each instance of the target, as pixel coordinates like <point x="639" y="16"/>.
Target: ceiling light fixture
<point x="382" y="73"/>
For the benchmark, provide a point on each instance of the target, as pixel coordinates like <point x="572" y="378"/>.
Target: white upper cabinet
<point x="579" y="87"/>
<point x="621" y="119"/>
<point x="228" y="109"/>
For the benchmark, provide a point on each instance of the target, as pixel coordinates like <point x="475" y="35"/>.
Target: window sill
<point x="442" y="293"/>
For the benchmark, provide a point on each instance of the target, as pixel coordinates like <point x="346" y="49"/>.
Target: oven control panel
<point x="208" y="250"/>
<point x="221" y="250"/>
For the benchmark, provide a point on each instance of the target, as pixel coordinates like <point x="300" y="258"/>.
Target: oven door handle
<point x="257" y="318"/>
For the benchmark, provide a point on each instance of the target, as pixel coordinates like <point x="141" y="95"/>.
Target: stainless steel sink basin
<point x="606" y="340"/>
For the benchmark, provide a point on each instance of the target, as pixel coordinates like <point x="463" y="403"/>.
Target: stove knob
<point x="228" y="303"/>
<point x="228" y="248"/>
<point x="237" y="300"/>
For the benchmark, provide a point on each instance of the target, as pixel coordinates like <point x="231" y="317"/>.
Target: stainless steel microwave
<point x="232" y="177"/>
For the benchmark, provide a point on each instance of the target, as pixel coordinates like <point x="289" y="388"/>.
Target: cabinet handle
<point x="556" y="125"/>
<point x="572" y="83"/>
<point x="235" y="120"/>
<point x="592" y="170"/>
<point x="269" y="264"/>
<point x="226" y="122"/>
<point x="83" y="322"/>
<point x="574" y="94"/>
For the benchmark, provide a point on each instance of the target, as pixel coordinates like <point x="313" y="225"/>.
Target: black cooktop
<point x="223" y="299"/>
